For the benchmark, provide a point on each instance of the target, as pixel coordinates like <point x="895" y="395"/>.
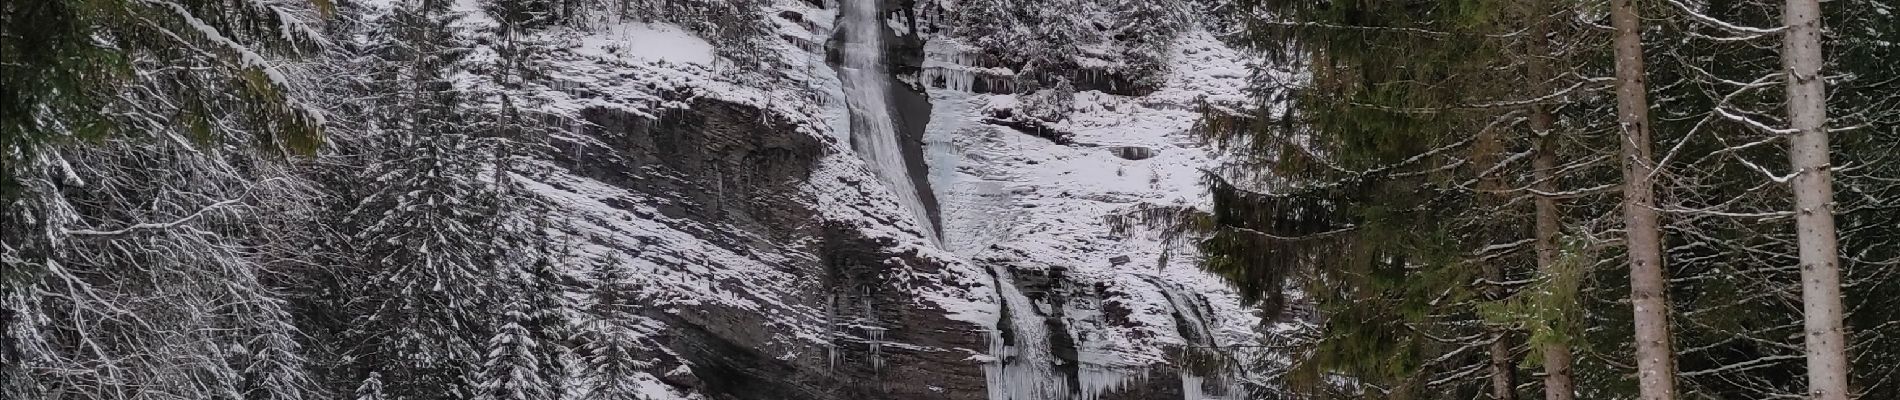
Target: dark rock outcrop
<point x="1030" y="126"/>
<point x="1132" y="152"/>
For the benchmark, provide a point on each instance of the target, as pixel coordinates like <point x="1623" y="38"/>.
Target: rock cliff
<point x="775" y="263"/>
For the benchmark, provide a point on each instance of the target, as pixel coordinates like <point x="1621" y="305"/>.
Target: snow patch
<point x="653" y="42"/>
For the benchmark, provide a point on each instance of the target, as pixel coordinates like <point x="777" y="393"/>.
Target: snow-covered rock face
<point x="1031" y="209"/>
<point x="779" y="262"/>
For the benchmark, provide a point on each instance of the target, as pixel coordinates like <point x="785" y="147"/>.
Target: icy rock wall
<point x="779" y="258"/>
<point x="1115" y="311"/>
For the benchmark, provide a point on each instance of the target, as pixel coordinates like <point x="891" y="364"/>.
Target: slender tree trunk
<point x="1503" y="367"/>
<point x="1655" y="367"/>
<point x="1485" y="155"/>
<point x="1813" y="191"/>
<point x="1557" y="382"/>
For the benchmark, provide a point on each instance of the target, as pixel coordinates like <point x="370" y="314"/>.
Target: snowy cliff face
<point x="778" y="259"/>
<point x="1027" y="202"/>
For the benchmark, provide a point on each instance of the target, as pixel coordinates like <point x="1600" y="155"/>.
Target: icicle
<point x="947" y="65"/>
<point x="873" y="332"/>
<point x="1095" y="381"/>
<point x="831" y="333"/>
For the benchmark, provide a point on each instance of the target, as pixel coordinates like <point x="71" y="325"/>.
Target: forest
<point x="1616" y="199"/>
<point x="1409" y="199"/>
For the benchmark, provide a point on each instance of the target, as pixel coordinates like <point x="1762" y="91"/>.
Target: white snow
<point x="653" y="42"/>
<point x="1011" y="198"/>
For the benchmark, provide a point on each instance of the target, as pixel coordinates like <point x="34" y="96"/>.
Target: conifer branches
<point x="1368" y="97"/>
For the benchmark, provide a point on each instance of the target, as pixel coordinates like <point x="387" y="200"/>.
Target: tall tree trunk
<point x="1557" y="382"/>
<point x="1503" y="367"/>
<point x="1485" y="155"/>
<point x="1813" y="191"/>
<point x="1655" y="367"/>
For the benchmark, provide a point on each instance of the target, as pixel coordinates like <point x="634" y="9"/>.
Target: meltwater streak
<point x="867" y="92"/>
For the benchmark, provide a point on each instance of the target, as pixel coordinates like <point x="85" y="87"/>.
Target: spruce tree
<point x="513" y="367"/>
<point x="138" y="143"/>
<point x="608" y="350"/>
<point x="1865" y="114"/>
<point x="371" y="388"/>
<point x="1819" y="246"/>
<point x="69" y="61"/>
<point x="1722" y="220"/>
<point x="1392" y="189"/>
<point x="424" y="229"/>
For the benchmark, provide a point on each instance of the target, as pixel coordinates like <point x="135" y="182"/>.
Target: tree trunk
<point x="1813" y="191"/>
<point x="1557" y="382"/>
<point x="1503" y="367"/>
<point x="1485" y="156"/>
<point x="1655" y="368"/>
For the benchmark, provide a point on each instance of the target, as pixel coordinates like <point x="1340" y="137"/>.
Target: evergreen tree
<point x="1048" y="41"/>
<point x="1865" y="114"/>
<point x="1394" y="188"/>
<point x="513" y="369"/>
<point x="1819" y="246"/>
<point x="608" y="352"/>
<point x="1143" y="31"/>
<point x="1736" y="199"/>
<point x="1310" y="176"/>
<point x="535" y="290"/>
<point x="69" y="62"/>
<point x="139" y="142"/>
<point x="424" y="227"/>
<point x="1655" y="361"/>
<point x="371" y="388"/>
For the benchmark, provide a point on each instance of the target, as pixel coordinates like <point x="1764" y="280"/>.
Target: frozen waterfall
<point x="1023" y="368"/>
<point x="867" y="89"/>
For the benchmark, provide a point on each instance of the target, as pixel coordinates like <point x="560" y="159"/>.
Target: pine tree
<point x="608" y="352"/>
<point x="135" y="139"/>
<point x="70" y="59"/>
<point x="371" y="388"/>
<point x="513" y="367"/>
<point x="424" y="228"/>
<point x="1394" y="188"/>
